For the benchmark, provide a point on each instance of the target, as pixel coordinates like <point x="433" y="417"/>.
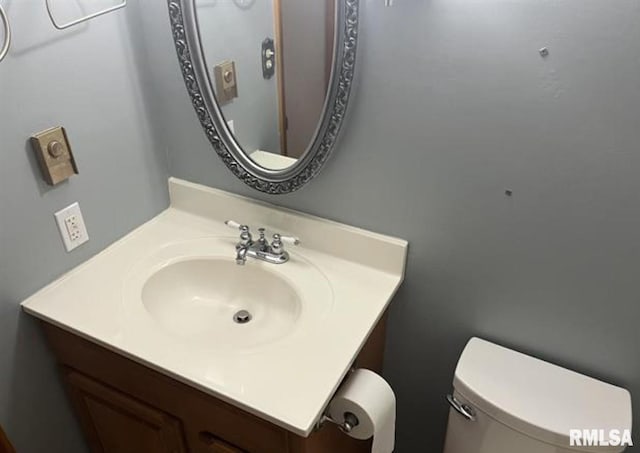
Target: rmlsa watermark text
<point x="600" y="438"/>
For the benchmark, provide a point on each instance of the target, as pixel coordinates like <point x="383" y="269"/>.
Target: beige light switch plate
<point x="54" y="155"/>
<point x="226" y="81"/>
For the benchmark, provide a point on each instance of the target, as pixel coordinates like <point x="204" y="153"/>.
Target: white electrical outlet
<point x="71" y="226"/>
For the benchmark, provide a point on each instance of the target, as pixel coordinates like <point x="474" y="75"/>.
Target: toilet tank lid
<point x="541" y="400"/>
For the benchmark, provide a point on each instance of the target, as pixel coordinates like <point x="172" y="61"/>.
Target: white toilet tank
<point x="508" y="402"/>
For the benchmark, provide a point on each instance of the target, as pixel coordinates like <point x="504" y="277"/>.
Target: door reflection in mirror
<point x="275" y="116"/>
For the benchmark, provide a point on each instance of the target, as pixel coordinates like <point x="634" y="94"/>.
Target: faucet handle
<point x="245" y="233"/>
<point x="277" y="246"/>
<point x="291" y="240"/>
<point x="233" y="224"/>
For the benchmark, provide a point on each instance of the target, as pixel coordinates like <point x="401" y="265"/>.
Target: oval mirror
<point x="270" y="81"/>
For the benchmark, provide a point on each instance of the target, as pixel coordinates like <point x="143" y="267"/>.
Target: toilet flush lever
<point x="463" y="409"/>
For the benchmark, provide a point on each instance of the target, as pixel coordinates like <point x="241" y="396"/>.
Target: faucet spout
<point x="241" y="254"/>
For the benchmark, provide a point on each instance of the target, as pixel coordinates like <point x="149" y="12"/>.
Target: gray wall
<point x="470" y="109"/>
<point x="232" y="33"/>
<point x="84" y="79"/>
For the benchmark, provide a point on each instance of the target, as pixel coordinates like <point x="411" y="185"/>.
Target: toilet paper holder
<point x="346" y="426"/>
<point x="350" y="419"/>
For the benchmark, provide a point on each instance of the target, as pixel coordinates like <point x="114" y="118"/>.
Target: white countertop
<point x="272" y="161"/>
<point x="288" y="382"/>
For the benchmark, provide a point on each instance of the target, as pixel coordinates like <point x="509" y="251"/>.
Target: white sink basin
<point x="193" y="289"/>
<point x="198" y="299"/>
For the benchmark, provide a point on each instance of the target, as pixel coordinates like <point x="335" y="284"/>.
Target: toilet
<point x="508" y="402"/>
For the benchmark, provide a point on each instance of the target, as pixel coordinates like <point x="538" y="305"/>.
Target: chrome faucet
<point x="242" y="247"/>
<point x="261" y="249"/>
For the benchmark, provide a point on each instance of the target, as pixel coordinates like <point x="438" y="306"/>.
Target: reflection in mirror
<point x="278" y="72"/>
<point x="269" y="63"/>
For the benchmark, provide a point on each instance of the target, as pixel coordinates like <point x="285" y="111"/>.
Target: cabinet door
<point x="114" y="422"/>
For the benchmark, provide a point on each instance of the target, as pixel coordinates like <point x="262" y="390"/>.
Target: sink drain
<point x="242" y="317"/>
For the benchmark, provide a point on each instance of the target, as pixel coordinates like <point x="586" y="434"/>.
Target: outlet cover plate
<point x="72" y="228"/>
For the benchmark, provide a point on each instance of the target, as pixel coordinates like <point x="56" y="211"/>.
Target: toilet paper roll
<point x="370" y="398"/>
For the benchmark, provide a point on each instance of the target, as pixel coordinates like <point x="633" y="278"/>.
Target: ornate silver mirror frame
<point x="186" y="36"/>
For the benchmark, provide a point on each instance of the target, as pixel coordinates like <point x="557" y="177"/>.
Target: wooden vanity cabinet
<point x="115" y="422"/>
<point x="125" y="407"/>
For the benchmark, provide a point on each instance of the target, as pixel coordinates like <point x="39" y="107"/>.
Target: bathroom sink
<point x="275" y="340"/>
<point x="195" y="292"/>
<point x="215" y="300"/>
